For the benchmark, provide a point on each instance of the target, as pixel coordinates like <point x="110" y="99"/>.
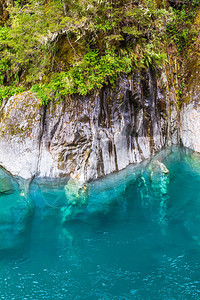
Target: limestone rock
<point x="75" y="193"/>
<point x="99" y="196"/>
<point x="92" y="136"/>
<point x="87" y="137"/>
<point x="20" y="133"/>
<point x="159" y="178"/>
<point x="190" y="127"/>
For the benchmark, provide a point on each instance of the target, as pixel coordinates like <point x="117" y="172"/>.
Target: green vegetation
<point x="92" y="72"/>
<point x="8" y="91"/>
<point x="60" y="47"/>
<point x="181" y="29"/>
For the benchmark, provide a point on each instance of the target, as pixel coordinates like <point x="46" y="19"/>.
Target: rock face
<point x="20" y="134"/>
<point x="190" y="113"/>
<point x="190" y="127"/>
<point x="88" y="137"/>
<point x="94" y="136"/>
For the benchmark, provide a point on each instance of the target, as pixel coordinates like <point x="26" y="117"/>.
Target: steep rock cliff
<point x="190" y="112"/>
<point x="88" y="137"/>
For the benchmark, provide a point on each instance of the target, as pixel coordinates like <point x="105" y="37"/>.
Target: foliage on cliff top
<point x="61" y="47"/>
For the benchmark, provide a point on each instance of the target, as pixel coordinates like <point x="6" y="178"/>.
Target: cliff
<point x="89" y="137"/>
<point x="109" y="84"/>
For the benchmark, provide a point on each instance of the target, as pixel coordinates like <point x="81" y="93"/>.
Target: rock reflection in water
<point x="134" y="234"/>
<point x="16" y="208"/>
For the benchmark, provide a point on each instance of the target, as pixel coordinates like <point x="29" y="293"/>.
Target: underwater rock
<point x="15" y="212"/>
<point x="77" y="197"/>
<point x="159" y="177"/>
<point x="75" y="192"/>
<point x="193" y="160"/>
<point x="6" y="186"/>
<point x="153" y="188"/>
<point x="99" y="196"/>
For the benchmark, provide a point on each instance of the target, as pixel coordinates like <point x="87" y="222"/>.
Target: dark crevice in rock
<point x="100" y="164"/>
<point x="42" y="130"/>
<point x="110" y="148"/>
<point x="115" y="154"/>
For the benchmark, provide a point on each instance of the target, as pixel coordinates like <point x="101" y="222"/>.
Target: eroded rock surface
<point x="87" y="137"/>
<point x="190" y="127"/>
<point x="97" y="135"/>
<point x="20" y="134"/>
<point x="190" y="112"/>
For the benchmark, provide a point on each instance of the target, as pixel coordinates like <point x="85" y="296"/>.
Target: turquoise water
<point x="132" y="235"/>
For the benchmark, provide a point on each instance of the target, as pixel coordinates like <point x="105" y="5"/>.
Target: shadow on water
<point x="131" y="235"/>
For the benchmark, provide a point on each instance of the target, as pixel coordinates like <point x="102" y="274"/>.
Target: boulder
<point x="20" y="134"/>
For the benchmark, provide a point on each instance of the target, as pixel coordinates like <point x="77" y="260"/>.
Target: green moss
<point x="25" y="107"/>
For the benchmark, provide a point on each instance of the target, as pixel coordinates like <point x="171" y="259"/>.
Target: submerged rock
<point x="100" y="196"/>
<point x="77" y="197"/>
<point x="6" y="186"/>
<point x="75" y="192"/>
<point x="153" y="187"/>
<point x="15" y="212"/>
<point x="159" y="177"/>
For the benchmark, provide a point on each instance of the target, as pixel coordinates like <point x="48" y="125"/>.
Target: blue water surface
<point x="131" y="235"/>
